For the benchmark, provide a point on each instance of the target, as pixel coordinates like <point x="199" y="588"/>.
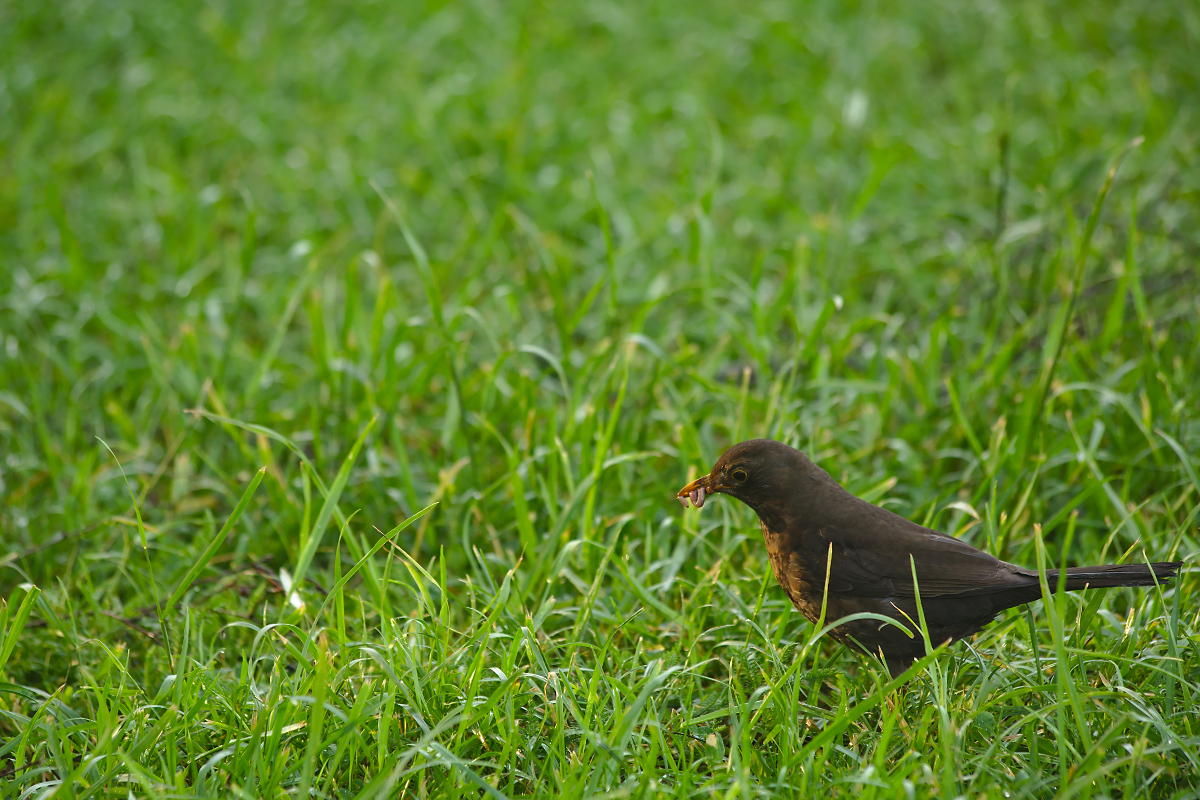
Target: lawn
<point x="351" y="356"/>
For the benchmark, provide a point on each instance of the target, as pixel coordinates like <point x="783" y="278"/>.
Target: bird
<point x="819" y="536"/>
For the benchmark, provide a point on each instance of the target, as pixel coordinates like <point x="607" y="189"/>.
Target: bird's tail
<point x="1115" y="575"/>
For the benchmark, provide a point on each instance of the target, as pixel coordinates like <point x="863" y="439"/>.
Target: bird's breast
<point x="791" y="572"/>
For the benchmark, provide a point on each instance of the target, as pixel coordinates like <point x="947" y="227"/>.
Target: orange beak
<point x="695" y="491"/>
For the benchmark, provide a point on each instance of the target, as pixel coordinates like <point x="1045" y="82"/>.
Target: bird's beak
<point x="696" y="491"/>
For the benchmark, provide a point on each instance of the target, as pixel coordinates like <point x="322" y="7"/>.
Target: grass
<point x="277" y="279"/>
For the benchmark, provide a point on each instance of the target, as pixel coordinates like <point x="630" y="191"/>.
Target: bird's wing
<point x="875" y="556"/>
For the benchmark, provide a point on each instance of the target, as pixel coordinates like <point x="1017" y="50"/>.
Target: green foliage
<point x="538" y="266"/>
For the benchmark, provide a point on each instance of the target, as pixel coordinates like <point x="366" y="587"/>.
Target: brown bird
<point x="807" y="518"/>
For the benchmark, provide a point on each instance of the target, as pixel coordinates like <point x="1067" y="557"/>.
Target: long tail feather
<point x="1116" y="575"/>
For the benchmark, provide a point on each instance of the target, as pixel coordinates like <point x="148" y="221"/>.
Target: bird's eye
<point x="739" y="475"/>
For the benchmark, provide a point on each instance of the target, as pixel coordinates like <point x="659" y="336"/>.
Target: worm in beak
<point x="695" y="492"/>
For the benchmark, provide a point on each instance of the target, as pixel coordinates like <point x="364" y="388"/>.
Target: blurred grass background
<point x="636" y="233"/>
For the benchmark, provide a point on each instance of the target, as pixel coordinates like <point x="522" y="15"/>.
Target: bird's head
<point x="757" y="472"/>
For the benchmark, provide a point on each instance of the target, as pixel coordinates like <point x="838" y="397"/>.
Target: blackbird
<point x="807" y="518"/>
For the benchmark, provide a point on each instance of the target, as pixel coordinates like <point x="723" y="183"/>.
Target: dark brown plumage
<point x="803" y="512"/>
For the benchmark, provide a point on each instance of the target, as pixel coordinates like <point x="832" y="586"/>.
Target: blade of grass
<point x="141" y="527"/>
<point x="309" y="547"/>
<point x="1035" y="410"/>
<point x="340" y="585"/>
<point x="11" y="627"/>
<point x="202" y="562"/>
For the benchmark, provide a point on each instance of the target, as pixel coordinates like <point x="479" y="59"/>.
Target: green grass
<point x="539" y="265"/>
